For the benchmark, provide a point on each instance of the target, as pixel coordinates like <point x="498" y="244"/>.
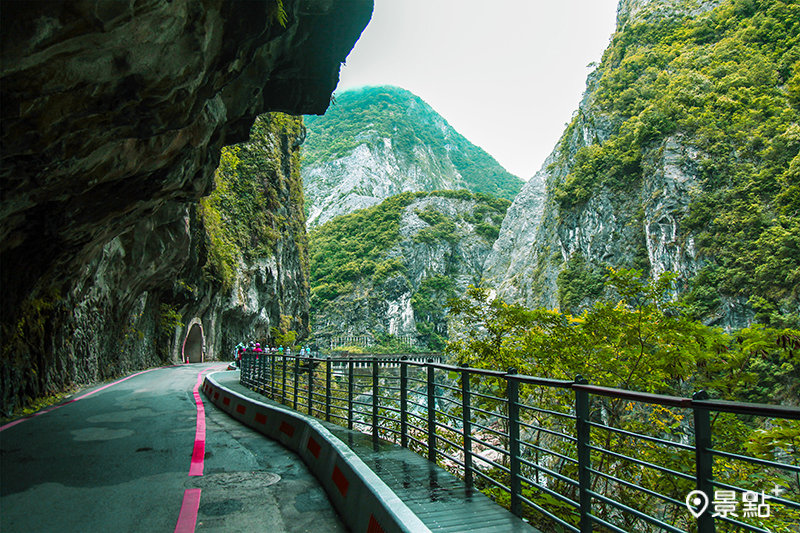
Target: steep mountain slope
<point x="376" y="142"/>
<point x="389" y="269"/>
<point x="683" y="156"/>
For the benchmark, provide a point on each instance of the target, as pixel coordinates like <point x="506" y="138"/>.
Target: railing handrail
<point x="725" y="406"/>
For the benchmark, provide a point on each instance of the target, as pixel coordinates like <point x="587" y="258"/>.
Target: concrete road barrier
<point x="362" y="499"/>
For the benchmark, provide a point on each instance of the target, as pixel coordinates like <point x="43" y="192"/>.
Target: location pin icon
<point x="697" y="499"/>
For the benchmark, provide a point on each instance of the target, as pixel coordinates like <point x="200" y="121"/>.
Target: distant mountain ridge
<point x="376" y="142"/>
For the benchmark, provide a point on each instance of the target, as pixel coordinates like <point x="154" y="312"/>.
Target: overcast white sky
<point x="506" y="74"/>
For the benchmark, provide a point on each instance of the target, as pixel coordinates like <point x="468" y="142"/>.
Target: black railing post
<point x="310" y="364"/>
<point x="260" y="383"/>
<point x="296" y="381"/>
<point x="512" y="394"/>
<point x="328" y="372"/>
<point x="466" y="424"/>
<point x="431" y="412"/>
<point x="583" y="435"/>
<point x="404" y="401"/>
<point x="283" y="379"/>
<point x="374" y="399"/>
<point x="272" y="375"/>
<point x="350" y="375"/>
<point x="704" y="460"/>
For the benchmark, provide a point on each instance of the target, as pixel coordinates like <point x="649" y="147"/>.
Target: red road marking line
<point x="118" y="381"/>
<point x="43" y="411"/>
<point x="188" y="517"/>
<point x="199" y="452"/>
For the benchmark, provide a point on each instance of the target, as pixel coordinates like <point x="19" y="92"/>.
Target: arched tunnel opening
<point x="193" y="344"/>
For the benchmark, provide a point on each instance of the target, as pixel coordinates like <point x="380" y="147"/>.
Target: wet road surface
<point x="118" y="460"/>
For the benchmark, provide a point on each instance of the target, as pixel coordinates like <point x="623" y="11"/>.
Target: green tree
<point x="637" y="338"/>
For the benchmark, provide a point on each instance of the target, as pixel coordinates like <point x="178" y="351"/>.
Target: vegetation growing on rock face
<point x="353" y="247"/>
<point x="727" y="83"/>
<point x="252" y="235"/>
<point x="361" y="258"/>
<point x="244" y="217"/>
<point x="578" y="282"/>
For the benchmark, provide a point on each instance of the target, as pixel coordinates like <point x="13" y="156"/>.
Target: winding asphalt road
<point x="117" y="458"/>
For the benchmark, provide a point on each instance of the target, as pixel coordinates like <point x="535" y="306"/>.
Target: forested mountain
<point x="669" y="207"/>
<point x="390" y="269"/>
<point x="376" y="142"/>
<point x="683" y="157"/>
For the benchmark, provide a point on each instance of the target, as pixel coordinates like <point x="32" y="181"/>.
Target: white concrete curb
<point x="365" y="503"/>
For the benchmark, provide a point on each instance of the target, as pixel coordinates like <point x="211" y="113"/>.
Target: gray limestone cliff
<point x="114" y="114"/>
<point x="559" y="224"/>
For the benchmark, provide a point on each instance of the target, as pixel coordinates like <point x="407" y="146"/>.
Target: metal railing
<point x="586" y="458"/>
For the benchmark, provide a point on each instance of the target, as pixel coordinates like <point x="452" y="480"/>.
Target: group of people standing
<point x="255" y="348"/>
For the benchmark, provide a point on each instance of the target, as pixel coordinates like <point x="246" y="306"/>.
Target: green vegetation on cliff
<point x="390" y="269"/>
<point x="245" y="216"/>
<point x="372" y="114"/>
<point x="726" y="83"/>
<point x="353" y="247"/>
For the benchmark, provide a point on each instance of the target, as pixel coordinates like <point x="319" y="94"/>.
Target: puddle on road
<point x="234" y="480"/>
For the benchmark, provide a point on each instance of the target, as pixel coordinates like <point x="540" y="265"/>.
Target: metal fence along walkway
<point x="564" y="455"/>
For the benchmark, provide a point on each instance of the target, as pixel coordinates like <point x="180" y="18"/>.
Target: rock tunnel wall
<point x="113" y="117"/>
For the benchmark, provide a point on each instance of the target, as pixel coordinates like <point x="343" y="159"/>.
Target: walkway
<point x="118" y="457"/>
<point x="439" y="499"/>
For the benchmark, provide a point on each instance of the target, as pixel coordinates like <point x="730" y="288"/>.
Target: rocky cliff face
<point x="114" y="115"/>
<point x="443" y="240"/>
<point x="247" y="270"/>
<point x="370" y="174"/>
<point x="639" y="229"/>
<point x="377" y="142"/>
<point x="650" y="150"/>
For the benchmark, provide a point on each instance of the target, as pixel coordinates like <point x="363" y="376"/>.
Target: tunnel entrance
<point x="193" y="344"/>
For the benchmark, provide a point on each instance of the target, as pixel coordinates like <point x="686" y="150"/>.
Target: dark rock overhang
<point x="112" y="108"/>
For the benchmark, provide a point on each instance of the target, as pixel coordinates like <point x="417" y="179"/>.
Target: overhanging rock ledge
<point x="113" y="117"/>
